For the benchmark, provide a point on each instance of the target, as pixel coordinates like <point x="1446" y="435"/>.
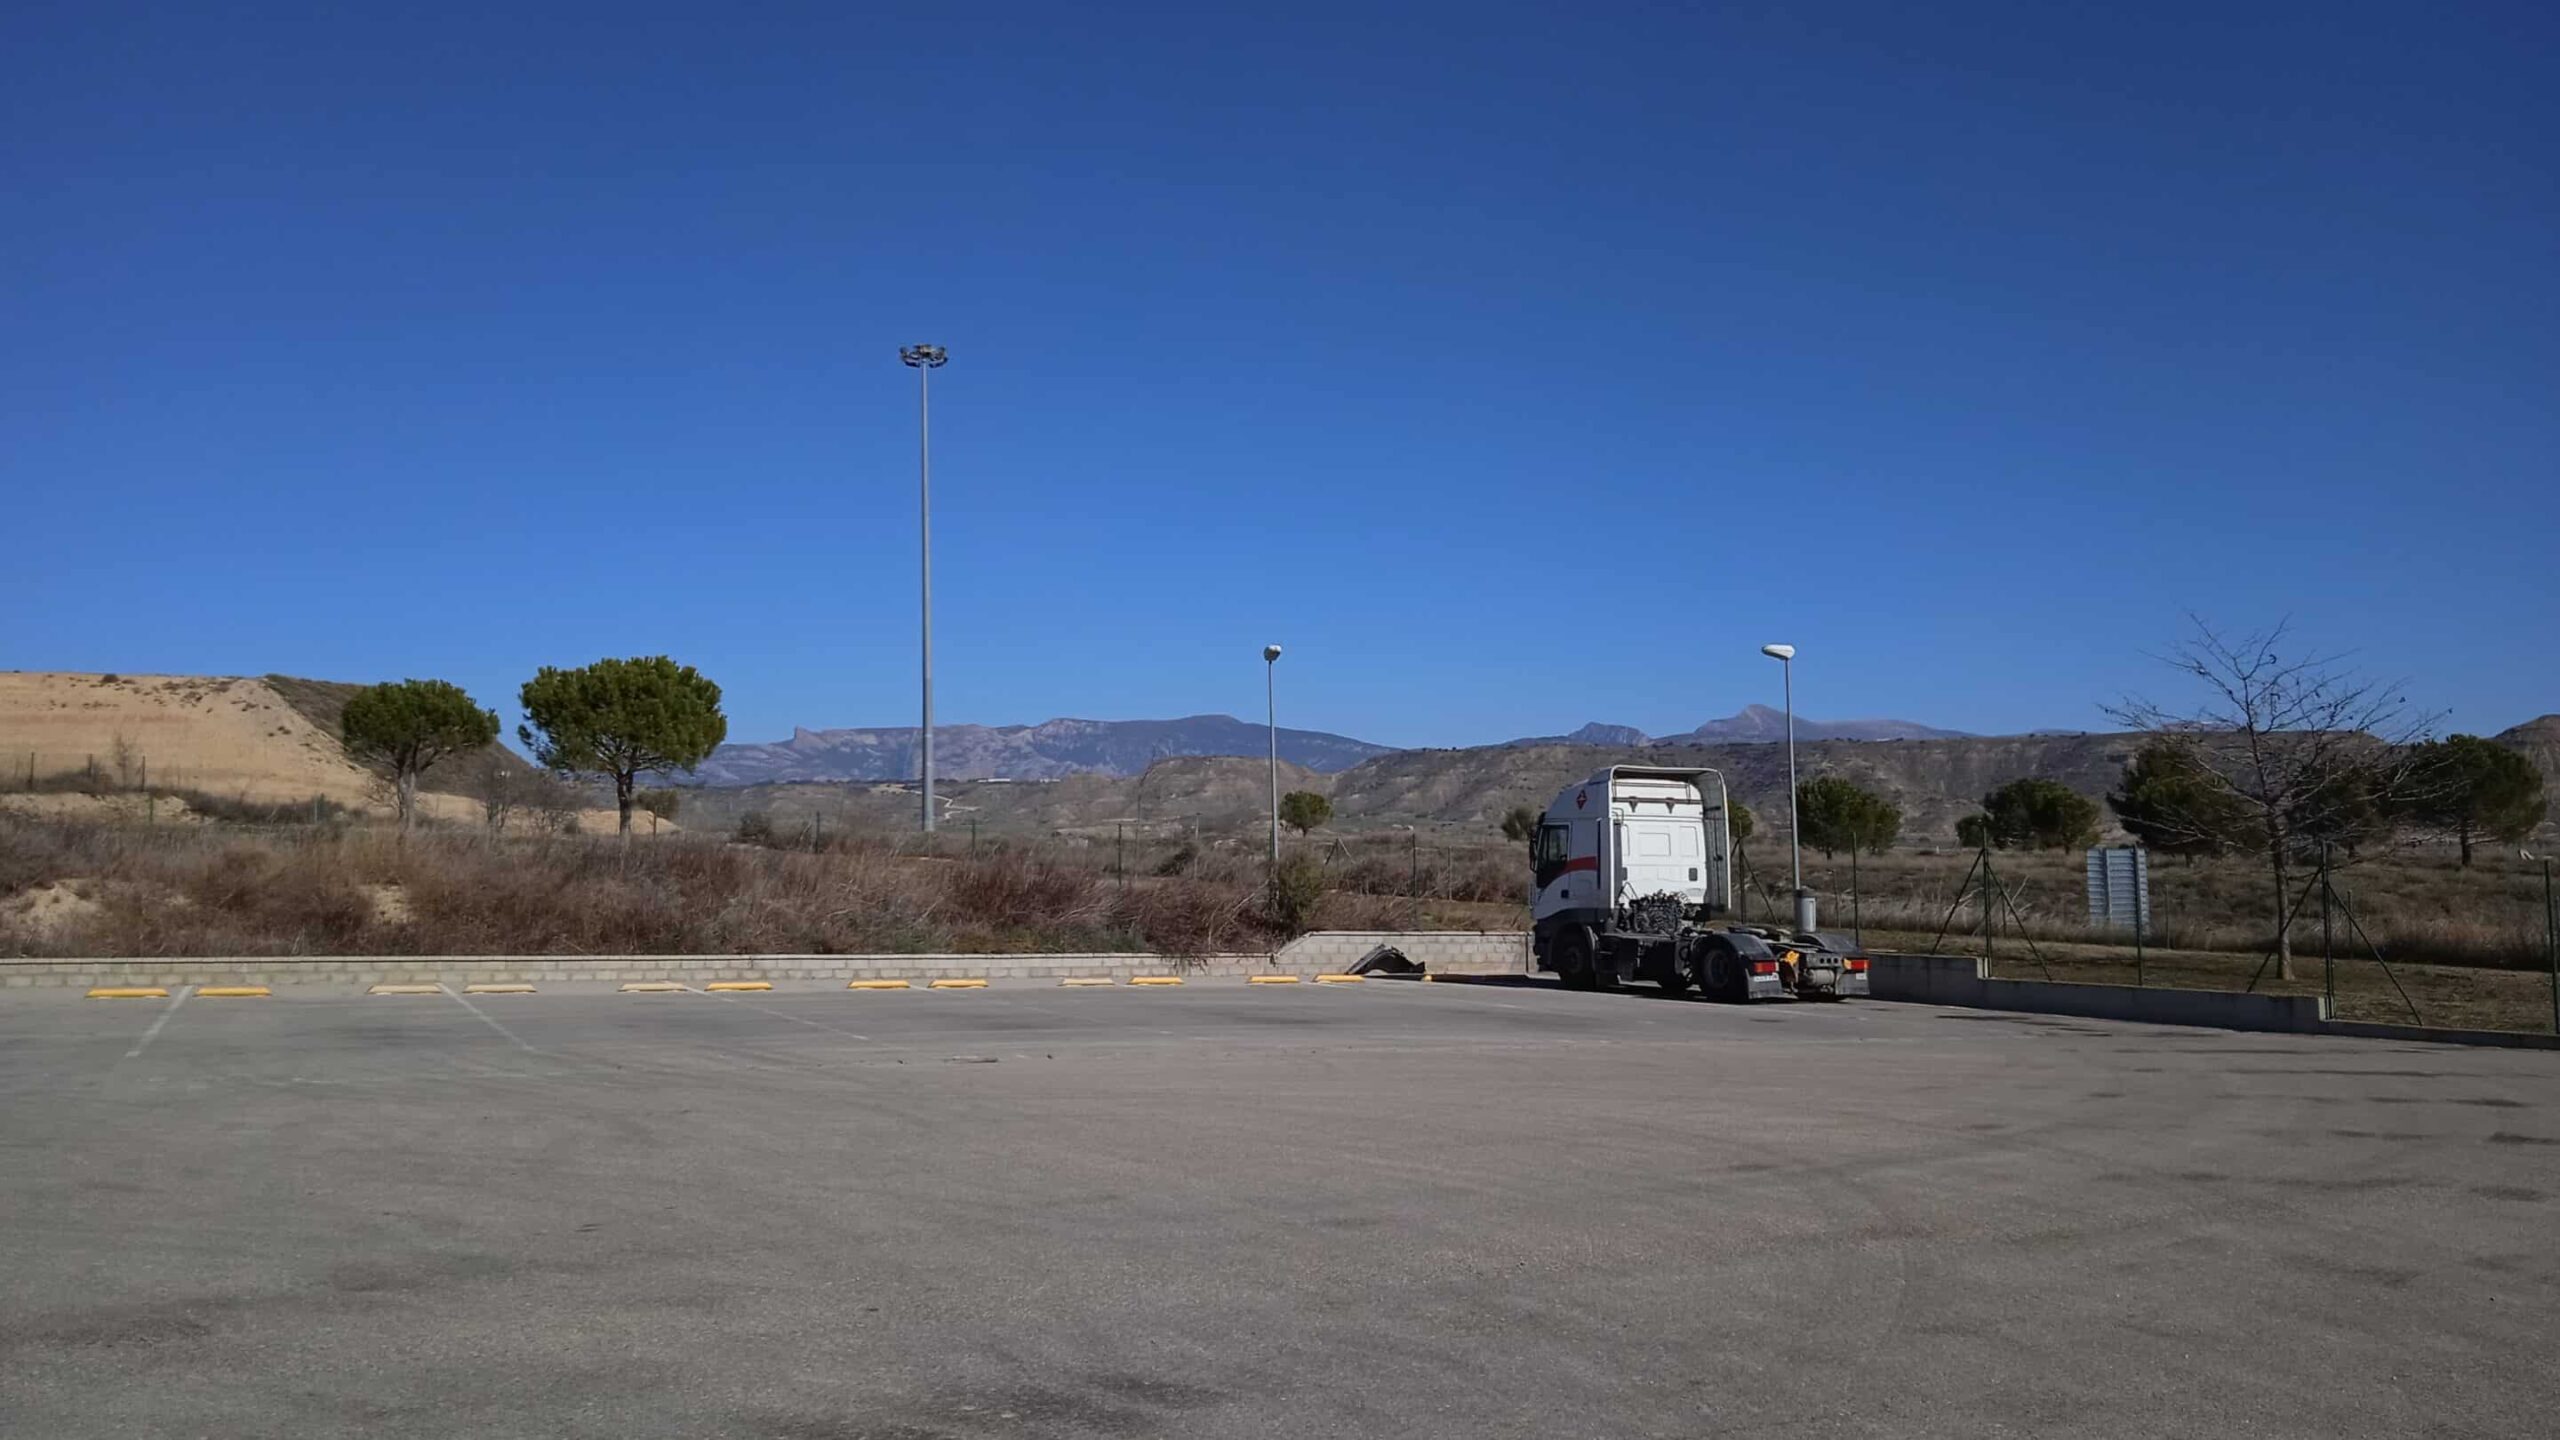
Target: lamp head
<point x="924" y="356"/>
<point x="1779" y="652"/>
<point x="1270" y="654"/>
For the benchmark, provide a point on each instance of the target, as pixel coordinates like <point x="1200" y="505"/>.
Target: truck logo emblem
<point x="1581" y="798"/>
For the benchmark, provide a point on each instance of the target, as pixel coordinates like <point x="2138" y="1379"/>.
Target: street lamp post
<point x="926" y="359"/>
<point x="1271" y="701"/>
<point x="1785" y="655"/>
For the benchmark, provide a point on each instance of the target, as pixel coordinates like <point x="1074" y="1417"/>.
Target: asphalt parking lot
<point x="1390" y="1209"/>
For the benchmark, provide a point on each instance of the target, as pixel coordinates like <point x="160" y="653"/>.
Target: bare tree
<point x="555" y="803"/>
<point x="502" y="791"/>
<point x="2294" y="749"/>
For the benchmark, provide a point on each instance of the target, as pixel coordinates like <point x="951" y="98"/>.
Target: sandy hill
<point x="272" y="738"/>
<point x="225" y="735"/>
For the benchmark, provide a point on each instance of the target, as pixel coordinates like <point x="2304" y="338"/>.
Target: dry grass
<point x="2418" y="908"/>
<point x="2404" y="993"/>
<point x="204" y="890"/>
<point x="218" y="891"/>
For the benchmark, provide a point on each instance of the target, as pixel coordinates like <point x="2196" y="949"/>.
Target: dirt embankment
<point x="231" y="737"/>
<point x="223" y="736"/>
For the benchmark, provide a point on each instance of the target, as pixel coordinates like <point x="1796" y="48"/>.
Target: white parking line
<point x="485" y="1018"/>
<point x="785" y="1014"/>
<point x="183" y="992"/>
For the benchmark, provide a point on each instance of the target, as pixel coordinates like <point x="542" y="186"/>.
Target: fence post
<point x="2141" y="912"/>
<point x="2551" y="941"/>
<point x="1986" y="901"/>
<point x="1857" y="923"/>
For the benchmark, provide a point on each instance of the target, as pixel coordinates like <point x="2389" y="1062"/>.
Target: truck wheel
<point x="1724" y="976"/>
<point x="1573" y="957"/>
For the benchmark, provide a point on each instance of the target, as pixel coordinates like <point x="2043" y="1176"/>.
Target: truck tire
<point x="1572" y="949"/>
<point x="1724" y="975"/>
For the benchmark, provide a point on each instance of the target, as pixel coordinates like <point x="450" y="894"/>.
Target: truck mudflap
<point x="1846" y="959"/>
<point x="1808" y="965"/>
<point x="1790" y="966"/>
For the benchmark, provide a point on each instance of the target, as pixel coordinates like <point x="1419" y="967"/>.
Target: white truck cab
<point x="1632" y="831"/>
<point x="1628" y="868"/>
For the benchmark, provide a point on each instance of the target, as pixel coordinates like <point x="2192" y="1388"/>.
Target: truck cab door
<point x="1560" y="880"/>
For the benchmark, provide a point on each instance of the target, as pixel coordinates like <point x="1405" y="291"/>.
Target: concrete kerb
<point x="363" y="972"/>
<point x="1965" y="982"/>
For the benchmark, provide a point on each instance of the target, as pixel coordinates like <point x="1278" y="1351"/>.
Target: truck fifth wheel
<point x="1633" y="878"/>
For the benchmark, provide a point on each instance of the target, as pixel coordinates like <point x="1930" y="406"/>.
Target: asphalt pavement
<point x="1390" y="1209"/>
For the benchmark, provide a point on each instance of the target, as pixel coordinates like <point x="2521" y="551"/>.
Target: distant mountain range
<point x="1752" y="724"/>
<point x="1937" y="782"/>
<point x="1046" y="751"/>
<point x="1054" y="749"/>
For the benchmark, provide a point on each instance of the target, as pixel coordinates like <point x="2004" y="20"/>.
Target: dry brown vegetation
<point x="2464" y="947"/>
<point x="2416" y="906"/>
<point x="168" y="891"/>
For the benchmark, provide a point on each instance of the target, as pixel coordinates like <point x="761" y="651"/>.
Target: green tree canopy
<point x="1738" y="819"/>
<point x="2475" y="789"/>
<point x="623" y="719"/>
<point x="1839" y="815"/>
<point x="1304" y="810"/>
<point x="2040" y="814"/>
<point x="404" y="728"/>
<point x="2169" y="801"/>
<point x="2355" y="809"/>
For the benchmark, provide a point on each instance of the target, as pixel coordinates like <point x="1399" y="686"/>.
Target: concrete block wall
<point x="1442" y="952"/>
<point x="1964" y="981"/>
<point x="538" y="969"/>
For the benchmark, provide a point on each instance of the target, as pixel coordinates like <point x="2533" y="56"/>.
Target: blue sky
<point x="1512" y="366"/>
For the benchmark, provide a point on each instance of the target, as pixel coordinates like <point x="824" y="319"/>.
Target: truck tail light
<point x="1764" y="967"/>
<point x="1857" y="964"/>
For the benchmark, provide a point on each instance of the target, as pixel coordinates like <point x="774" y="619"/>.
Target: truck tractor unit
<point x="1633" y="879"/>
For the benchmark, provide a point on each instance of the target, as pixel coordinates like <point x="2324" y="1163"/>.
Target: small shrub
<point x="1296" y="889"/>
<point x="241" y="810"/>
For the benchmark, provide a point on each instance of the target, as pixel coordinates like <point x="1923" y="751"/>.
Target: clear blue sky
<point x="1512" y="366"/>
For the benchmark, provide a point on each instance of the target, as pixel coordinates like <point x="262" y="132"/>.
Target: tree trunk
<point x="408" y="796"/>
<point x="2465" y="833"/>
<point x="2284" y="913"/>
<point x="622" y="801"/>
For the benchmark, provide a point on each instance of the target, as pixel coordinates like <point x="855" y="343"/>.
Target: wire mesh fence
<point x="128" y="783"/>
<point x="2411" y="933"/>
